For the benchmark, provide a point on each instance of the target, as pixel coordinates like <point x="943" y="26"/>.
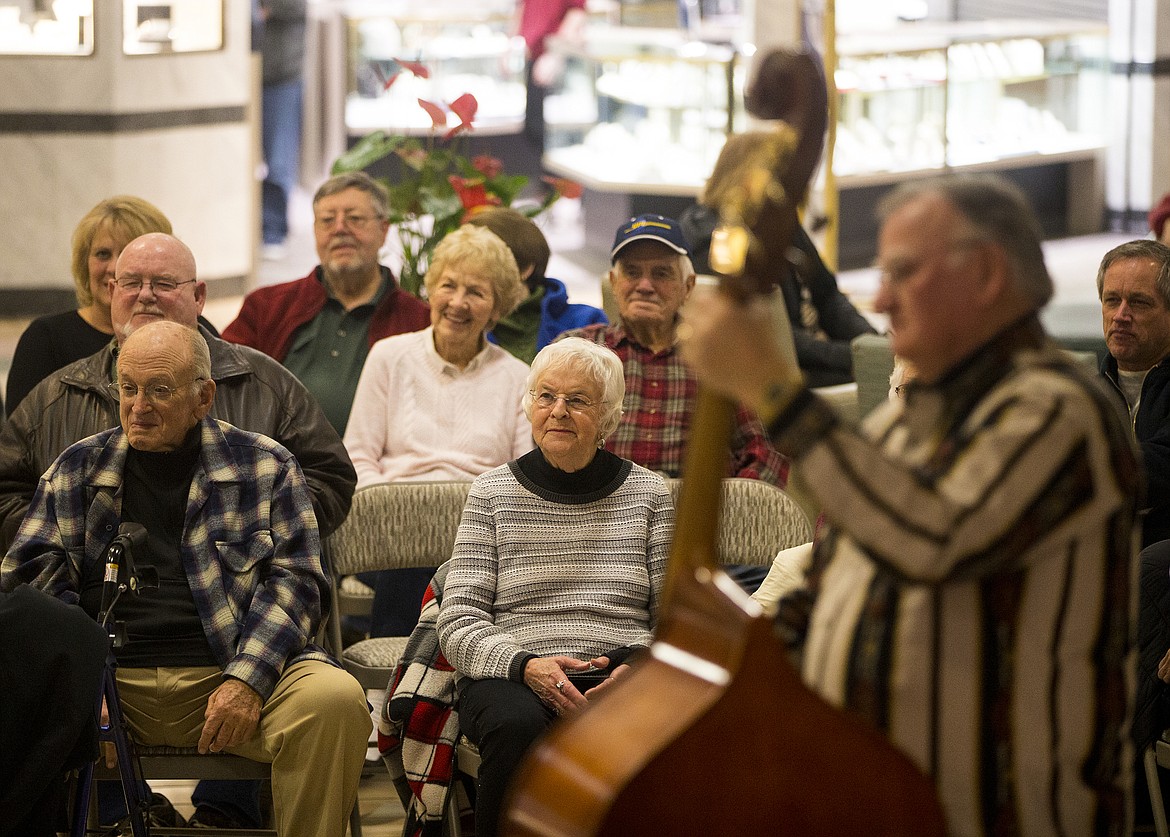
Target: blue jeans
<point x="280" y="129"/>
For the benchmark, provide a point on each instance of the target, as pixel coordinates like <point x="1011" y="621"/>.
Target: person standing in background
<point x="1157" y="219"/>
<point x="536" y="20"/>
<point x="282" y="50"/>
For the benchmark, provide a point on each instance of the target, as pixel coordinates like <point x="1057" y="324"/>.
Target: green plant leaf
<point x="507" y="187"/>
<point x="439" y="199"/>
<point x="367" y="151"/>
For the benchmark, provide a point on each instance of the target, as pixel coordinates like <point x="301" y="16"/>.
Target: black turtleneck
<point x="162" y="626"/>
<point x="600" y="478"/>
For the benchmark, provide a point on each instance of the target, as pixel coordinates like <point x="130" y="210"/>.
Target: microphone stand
<point x="120" y="570"/>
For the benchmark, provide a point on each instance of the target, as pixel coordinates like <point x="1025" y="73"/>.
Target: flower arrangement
<point x="440" y="186"/>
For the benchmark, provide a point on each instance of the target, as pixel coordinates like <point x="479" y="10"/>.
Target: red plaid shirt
<point x="660" y="398"/>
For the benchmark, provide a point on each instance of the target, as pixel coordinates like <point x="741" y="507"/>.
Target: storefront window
<point x="65" y="28"/>
<point x="176" y="26"/>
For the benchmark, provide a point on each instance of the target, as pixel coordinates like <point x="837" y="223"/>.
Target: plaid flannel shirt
<point x="660" y="400"/>
<point x="250" y="547"/>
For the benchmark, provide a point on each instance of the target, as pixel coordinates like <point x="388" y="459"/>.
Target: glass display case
<point x="463" y="46"/>
<point x="64" y="28"/>
<point x="150" y="27"/>
<point x="642" y="110"/>
<point x="948" y="95"/>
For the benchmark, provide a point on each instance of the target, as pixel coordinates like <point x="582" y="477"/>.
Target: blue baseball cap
<point x="651" y="228"/>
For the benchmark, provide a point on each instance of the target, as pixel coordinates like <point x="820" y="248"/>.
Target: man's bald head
<point x="164" y="384"/>
<point x="155" y="280"/>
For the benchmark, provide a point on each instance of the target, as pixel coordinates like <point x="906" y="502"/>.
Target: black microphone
<point x="118" y="556"/>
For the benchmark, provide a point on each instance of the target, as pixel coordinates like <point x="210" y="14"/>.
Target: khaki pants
<point x="313" y="731"/>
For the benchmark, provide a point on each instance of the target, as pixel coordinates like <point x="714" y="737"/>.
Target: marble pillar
<point x="174" y="128"/>
<point x="1138" y="160"/>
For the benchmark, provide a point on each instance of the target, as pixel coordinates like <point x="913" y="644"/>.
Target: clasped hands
<point x="231" y="718"/>
<point x="543" y="674"/>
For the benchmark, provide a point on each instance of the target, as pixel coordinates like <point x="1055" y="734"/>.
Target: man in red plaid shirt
<point x="652" y="276"/>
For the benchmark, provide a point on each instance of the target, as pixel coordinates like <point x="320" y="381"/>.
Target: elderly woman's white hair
<point x="595" y="363"/>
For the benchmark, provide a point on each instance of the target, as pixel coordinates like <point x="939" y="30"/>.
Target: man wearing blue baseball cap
<point x="652" y="276"/>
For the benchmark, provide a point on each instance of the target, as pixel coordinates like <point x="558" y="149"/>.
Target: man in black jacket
<point x="156" y="281"/>
<point x="1133" y="283"/>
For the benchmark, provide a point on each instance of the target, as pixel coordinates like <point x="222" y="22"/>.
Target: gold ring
<point x="560" y="685"/>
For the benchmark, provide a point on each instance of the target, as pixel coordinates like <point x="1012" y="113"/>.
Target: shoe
<point x="273" y="252"/>
<point x="160" y="814"/>
<point x="207" y="817"/>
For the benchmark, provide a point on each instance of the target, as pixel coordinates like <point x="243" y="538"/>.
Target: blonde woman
<point x="56" y="340"/>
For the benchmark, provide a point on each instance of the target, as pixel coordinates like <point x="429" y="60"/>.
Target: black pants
<point x="503" y="719"/>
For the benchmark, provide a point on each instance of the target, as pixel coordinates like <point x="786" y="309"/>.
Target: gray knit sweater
<point x="535" y="572"/>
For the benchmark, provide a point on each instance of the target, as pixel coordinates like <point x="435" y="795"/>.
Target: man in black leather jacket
<point x="254" y="393"/>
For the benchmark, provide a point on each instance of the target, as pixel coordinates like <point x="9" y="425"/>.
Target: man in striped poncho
<point x="973" y="595"/>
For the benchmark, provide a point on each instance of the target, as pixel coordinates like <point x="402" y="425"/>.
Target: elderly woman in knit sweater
<point x="557" y="569"/>
<point x="442" y="403"/>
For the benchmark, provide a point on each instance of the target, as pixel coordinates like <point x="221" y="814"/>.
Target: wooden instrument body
<point x="726" y="741"/>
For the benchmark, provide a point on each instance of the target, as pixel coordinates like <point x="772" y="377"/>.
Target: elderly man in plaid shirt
<point x="652" y="276"/>
<point x="220" y="655"/>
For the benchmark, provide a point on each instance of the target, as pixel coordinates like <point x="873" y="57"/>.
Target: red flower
<point x="437" y="114"/>
<point x="465" y="108"/>
<point x="473" y="194"/>
<point x="487" y="165"/>
<point x="564" y="187"/>
<point x="414" y="67"/>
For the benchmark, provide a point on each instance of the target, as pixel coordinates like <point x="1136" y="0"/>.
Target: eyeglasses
<point x="154" y="394"/>
<point x="157" y="286"/>
<point x="350" y="220"/>
<point x="573" y="403"/>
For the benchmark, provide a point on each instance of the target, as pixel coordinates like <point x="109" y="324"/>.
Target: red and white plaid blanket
<point x="419" y="728"/>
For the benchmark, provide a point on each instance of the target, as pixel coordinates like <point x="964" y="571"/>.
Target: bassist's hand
<point x="737" y="349"/>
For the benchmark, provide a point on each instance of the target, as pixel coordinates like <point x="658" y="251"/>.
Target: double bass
<point x="714" y="733"/>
